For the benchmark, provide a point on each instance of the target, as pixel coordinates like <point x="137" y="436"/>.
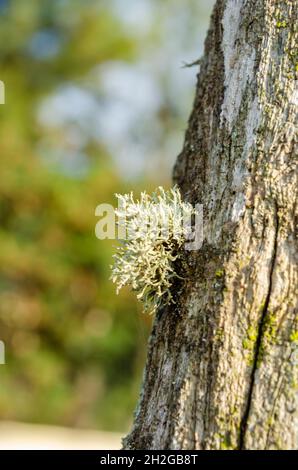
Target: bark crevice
<point x="260" y="335"/>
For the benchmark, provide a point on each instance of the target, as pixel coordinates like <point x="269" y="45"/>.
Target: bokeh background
<point x="97" y="102"/>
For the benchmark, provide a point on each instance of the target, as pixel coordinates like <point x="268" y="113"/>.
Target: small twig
<point x="191" y="64"/>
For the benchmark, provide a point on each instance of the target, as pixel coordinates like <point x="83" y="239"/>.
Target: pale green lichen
<point x="224" y="445"/>
<point x="281" y="24"/>
<point x="269" y="335"/>
<point x="294" y="337"/>
<point x="271" y="328"/>
<point x="223" y="442"/>
<point x="249" y="343"/>
<point x="157" y="231"/>
<point x="219" y="273"/>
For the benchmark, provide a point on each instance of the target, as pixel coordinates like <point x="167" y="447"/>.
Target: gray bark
<point x="221" y="371"/>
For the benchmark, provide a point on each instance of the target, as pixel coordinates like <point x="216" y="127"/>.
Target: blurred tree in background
<point x="91" y="110"/>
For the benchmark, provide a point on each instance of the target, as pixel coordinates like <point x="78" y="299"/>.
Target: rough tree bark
<point x="221" y="371"/>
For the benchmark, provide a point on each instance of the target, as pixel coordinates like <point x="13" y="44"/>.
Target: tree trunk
<point x="221" y="371"/>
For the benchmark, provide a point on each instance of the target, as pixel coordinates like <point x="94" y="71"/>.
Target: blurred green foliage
<point x="74" y="350"/>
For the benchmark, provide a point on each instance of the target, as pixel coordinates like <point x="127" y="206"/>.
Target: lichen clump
<point x="156" y="230"/>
